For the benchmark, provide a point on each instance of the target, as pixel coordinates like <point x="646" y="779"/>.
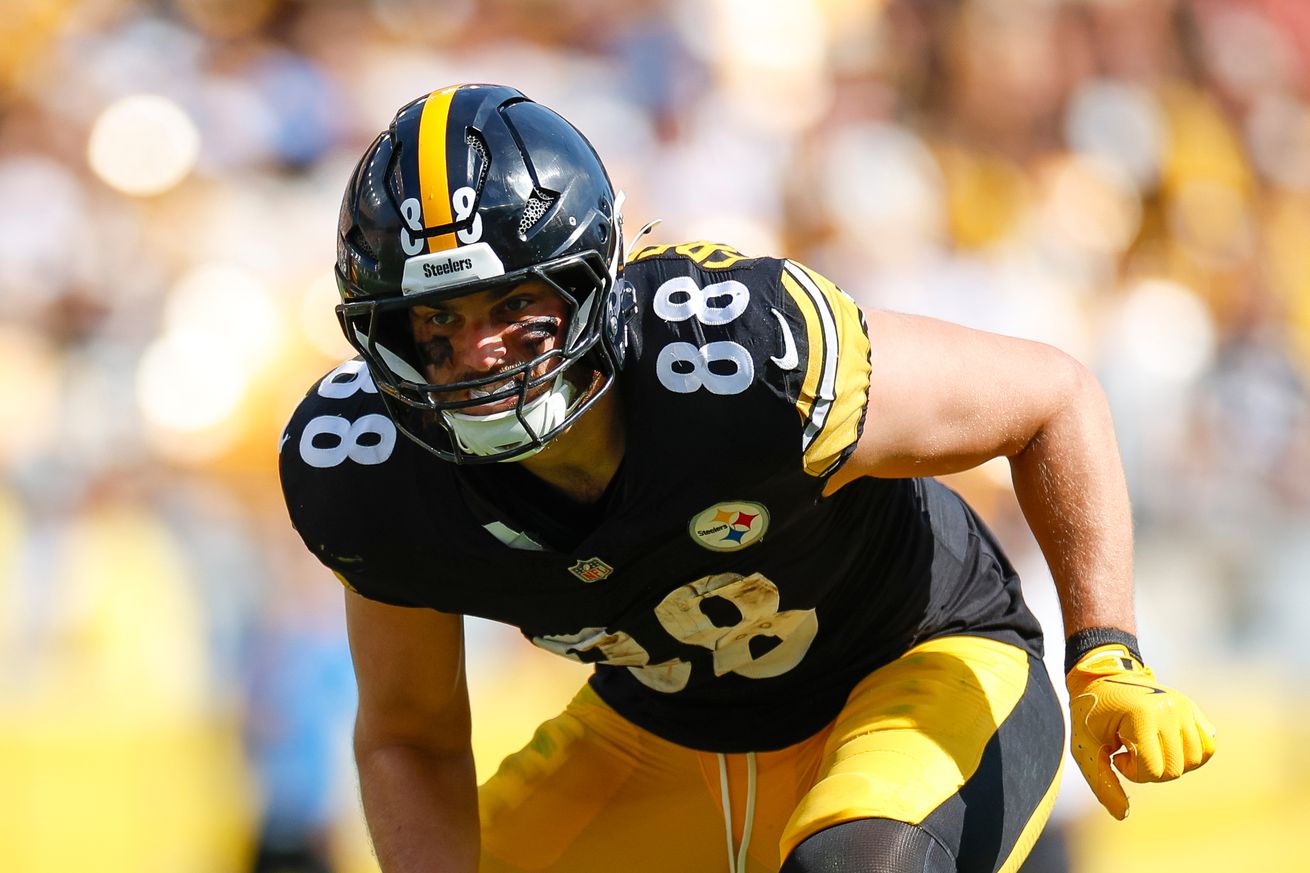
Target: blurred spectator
<point x="300" y="708"/>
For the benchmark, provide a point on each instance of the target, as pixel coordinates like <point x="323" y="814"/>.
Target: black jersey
<point x="726" y="604"/>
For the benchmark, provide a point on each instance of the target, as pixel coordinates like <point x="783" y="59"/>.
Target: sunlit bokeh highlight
<point x="29" y="394"/>
<point x="770" y="57"/>
<point x="1168" y="334"/>
<point x="1094" y="204"/>
<point x="220" y="329"/>
<point x="143" y="145"/>
<point x="317" y="317"/>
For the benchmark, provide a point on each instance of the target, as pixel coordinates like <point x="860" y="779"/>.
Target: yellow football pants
<point x="962" y="736"/>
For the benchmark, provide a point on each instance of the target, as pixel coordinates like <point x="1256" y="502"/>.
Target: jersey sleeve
<point x="832" y="346"/>
<point x="753" y="345"/>
<point x="342" y="466"/>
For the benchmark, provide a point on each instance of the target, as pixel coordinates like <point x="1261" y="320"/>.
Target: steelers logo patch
<point x="729" y="526"/>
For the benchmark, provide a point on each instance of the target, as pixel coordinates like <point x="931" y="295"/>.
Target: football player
<point x="710" y="475"/>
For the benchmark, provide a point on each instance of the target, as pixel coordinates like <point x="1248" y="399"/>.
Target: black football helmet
<point x="472" y="188"/>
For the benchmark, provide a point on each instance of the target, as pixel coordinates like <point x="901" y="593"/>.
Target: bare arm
<point x="412" y="737"/>
<point x="944" y="398"/>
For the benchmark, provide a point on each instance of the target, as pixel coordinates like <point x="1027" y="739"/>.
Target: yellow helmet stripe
<point x="432" y="178"/>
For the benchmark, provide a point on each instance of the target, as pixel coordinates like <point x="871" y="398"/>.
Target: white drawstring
<point x="750" y="812"/>
<point x="737" y="859"/>
<point x="727" y="809"/>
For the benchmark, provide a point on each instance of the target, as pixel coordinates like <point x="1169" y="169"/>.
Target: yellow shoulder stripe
<point x="835" y="389"/>
<point x="809" y="392"/>
<point x="343" y="581"/>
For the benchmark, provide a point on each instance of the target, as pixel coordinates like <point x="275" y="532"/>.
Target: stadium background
<point x="1127" y="179"/>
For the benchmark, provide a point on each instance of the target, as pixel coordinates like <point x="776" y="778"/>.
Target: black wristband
<point x="1083" y="641"/>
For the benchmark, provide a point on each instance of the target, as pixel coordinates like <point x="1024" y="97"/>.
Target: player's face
<point x="488" y="332"/>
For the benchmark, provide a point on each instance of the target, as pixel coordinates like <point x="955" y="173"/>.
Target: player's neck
<point x="581" y="461"/>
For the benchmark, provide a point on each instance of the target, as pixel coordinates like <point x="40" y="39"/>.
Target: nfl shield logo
<point x="591" y="569"/>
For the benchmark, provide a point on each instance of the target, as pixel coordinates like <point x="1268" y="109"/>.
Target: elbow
<point x="1073" y="401"/>
<point x="1086" y="396"/>
<point x="382" y="737"/>
<point x="1078" y="389"/>
<point x="405" y="755"/>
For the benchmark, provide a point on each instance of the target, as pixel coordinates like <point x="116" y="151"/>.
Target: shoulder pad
<point x="706" y="255"/>
<point x="339" y="452"/>
<point x="341" y="420"/>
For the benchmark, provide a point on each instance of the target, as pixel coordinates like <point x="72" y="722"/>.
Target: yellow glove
<point x="1116" y="702"/>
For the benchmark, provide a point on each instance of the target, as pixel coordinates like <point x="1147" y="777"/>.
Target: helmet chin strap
<point x="504" y="431"/>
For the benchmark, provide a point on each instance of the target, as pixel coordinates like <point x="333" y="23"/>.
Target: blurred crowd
<point x="1126" y="179"/>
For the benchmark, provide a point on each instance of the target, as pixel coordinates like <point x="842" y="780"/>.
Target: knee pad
<point x="870" y="845"/>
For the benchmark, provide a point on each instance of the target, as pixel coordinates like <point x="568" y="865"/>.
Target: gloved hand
<point x="1115" y="701"/>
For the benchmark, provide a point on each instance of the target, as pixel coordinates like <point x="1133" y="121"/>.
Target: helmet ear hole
<point x="478" y="152"/>
<point x="356" y="239"/>
<point x="539" y="203"/>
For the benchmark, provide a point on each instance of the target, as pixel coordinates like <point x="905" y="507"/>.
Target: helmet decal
<point x="465" y="200"/>
<point x="412" y="211"/>
<point x="439" y="269"/>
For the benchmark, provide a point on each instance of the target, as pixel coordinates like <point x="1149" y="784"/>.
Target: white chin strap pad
<point x="503" y="431"/>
